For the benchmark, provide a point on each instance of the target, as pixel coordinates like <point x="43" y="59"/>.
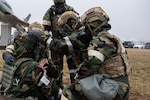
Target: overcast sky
<point x="129" y="18"/>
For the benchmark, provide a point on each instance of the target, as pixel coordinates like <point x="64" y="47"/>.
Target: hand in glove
<point x="35" y="33"/>
<point x="52" y="72"/>
<point x="8" y="58"/>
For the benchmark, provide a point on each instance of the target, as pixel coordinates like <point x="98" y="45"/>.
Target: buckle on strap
<point x="49" y="41"/>
<point x="73" y="70"/>
<point x="68" y="42"/>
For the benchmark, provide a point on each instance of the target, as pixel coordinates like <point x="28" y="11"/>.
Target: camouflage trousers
<point x="74" y="92"/>
<point x="71" y="93"/>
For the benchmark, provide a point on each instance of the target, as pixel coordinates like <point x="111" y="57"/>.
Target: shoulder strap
<point x="51" y="13"/>
<point x="22" y="60"/>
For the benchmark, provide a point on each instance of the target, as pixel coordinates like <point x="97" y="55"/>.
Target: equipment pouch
<point x="99" y="87"/>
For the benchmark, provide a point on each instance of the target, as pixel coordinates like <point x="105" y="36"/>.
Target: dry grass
<point x="1" y="60"/>
<point x="139" y="78"/>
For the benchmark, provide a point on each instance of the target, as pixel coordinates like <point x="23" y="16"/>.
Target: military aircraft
<point x="7" y="16"/>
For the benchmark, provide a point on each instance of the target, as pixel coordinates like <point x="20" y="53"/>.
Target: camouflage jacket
<point x="26" y="80"/>
<point x="105" y="55"/>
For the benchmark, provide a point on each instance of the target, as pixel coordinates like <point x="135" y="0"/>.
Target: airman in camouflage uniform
<point x="69" y="24"/>
<point x="27" y="78"/>
<point x="41" y="52"/>
<point x="103" y="75"/>
<point x="50" y="20"/>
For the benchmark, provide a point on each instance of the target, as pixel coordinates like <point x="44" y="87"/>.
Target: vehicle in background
<point x="128" y="44"/>
<point x="139" y="46"/>
<point x="147" y="45"/>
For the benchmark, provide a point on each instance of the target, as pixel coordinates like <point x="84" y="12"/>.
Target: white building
<point x="5" y="32"/>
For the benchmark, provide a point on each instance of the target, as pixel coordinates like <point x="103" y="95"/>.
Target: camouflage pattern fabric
<point x="26" y="81"/>
<point x="50" y="19"/>
<point x="28" y="51"/>
<point x="74" y="92"/>
<point x="61" y="48"/>
<point x="24" y="45"/>
<point x="104" y="55"/>
<point x="101" y="48"/>
<point x="30" y="46"/>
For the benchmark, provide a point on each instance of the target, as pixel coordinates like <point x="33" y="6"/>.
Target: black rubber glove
<point x="8" y="58"/>
<point x="52" y="72"/>
<point x="35" y="33"/>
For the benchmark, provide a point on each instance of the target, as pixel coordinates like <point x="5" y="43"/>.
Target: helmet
<point x="70" y="20"/>
<point x="95" y="18"/>
<point x="36" y="26"/>
<point x="59" y="1"/>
